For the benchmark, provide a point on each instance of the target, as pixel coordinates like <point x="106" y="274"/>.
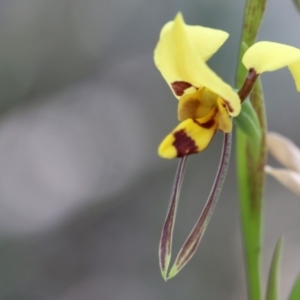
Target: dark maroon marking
<point x="248" y="84"/>
<point x="229" y="106"/>
<point x="184" y="144"/>
<point x="180" y="86"/>
<point x="207" y="125"/>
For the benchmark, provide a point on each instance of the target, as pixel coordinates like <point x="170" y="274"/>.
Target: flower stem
<point x="251" y="159"/>
<point x="250" y="162"/>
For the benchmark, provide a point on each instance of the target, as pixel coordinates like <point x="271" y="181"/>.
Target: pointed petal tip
<point x="165" y="257"/>
<point x="179" y="16"/>
<point x="173" y="272"/>
<point x="164" y="274"/>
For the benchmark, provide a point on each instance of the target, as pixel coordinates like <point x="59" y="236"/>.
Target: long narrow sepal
<point x="165" y="244"/>
<point x="191" y="244"/>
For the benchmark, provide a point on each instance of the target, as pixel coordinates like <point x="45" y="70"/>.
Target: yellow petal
<point x="180" y="57"/>
<point x="189" y="137"/>
<point x="269" y="56"/>
<point x="213" y="82"/>
<point x="186" y="42"/>
<point x="295" y="70"/>
<point x="196" y="105"/>
<point x="224" y="120"/>
<point x="206" y="40"/>
<point x="290" y="179"/>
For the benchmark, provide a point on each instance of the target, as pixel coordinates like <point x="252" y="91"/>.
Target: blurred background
<point x="83" y="195"/>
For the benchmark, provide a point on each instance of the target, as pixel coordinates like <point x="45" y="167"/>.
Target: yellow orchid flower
<point x="206" y="102"/>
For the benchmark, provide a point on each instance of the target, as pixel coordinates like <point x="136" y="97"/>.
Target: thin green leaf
<point x="272" y="288"/>
<point x="165" y="244"/>
<point x="192" y="242"/>
<point x="295" y="293"/>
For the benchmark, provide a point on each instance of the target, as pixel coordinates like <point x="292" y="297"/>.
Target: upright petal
<point x="180" y="56"/>
<point x="269" y="56"/>
<point x="205" y="40"/>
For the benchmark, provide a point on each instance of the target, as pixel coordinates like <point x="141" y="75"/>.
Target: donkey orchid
<point x="205" y="104"/>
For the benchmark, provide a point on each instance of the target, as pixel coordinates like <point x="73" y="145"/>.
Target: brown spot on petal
<point x="229" y="107"/>
<point x="184" y="144"/>
<point x="207" y="125"/>
<point x="180" y="86"/>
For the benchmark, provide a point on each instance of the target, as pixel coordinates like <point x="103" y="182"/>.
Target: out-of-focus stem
<point x="251" y="159"/>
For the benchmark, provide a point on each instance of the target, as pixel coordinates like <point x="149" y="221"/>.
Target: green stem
<point x="251" y="157"/>
<point x="251" y="183"/>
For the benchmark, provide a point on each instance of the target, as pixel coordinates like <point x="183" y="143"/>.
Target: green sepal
<point x="272" y="289"/>
<point x="248" y="121"/>
<point x="295" y="293"/>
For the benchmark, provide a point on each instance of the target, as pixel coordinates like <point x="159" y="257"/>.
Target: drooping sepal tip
<point x="164" y="266"/>
<point x="165" y="244"/>
<point x="173" y="272"/>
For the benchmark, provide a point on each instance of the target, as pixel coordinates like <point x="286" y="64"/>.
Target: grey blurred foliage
<point x="297" y="4"/>
<point x="82" y="193"/>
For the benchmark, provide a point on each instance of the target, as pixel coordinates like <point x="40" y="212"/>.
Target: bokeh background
<point x="83" y="195"/>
